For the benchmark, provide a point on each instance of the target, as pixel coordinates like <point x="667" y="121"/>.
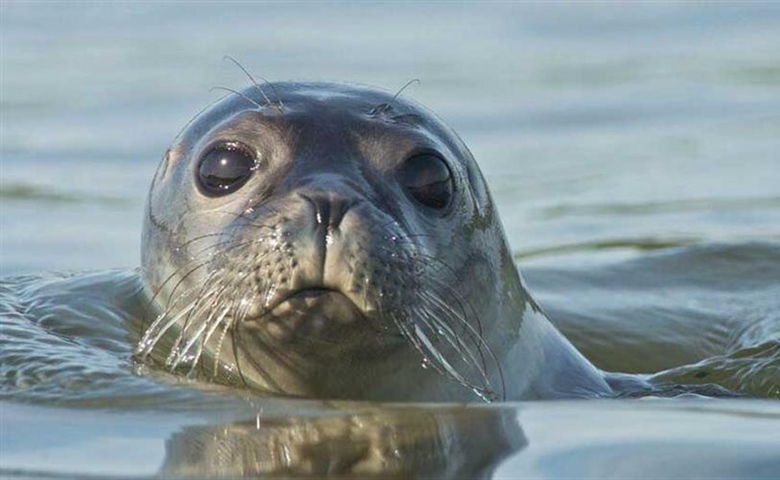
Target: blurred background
<point x="603" y="128"/>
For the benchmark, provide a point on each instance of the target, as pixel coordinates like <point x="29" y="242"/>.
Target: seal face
<point x="336" y="242"/>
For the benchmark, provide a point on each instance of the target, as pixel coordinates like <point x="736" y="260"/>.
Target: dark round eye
<point x="225" y="168"/>
<point x="428" y="180"/>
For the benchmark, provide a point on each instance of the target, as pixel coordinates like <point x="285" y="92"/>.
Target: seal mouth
<point x="319" y="315"/>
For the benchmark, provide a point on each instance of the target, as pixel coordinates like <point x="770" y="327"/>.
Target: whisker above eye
<point x="236" y="92"/>
<point x="279" y="105"/>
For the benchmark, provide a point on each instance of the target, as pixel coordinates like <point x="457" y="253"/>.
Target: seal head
<point x="335" y="241"/>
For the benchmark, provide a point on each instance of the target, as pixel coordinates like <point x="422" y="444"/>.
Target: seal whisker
<point x="434" y="298"/>
<point x="204" y="303"/>
<point x="203" y="237"/>
<point x="400" y="90"/>
<point x="398" y="236"/>
<point x="220" y="341"/>
<point x="434" y="312"/>
<point x="234" y="344"/>
<point x="467" y="355"/>
<point x="474" y="333"/>
<point x="441" y="325"/>
<point x="223" y="305"/>
<point x="441" y="284"/>
<point x="230" y="245"/>
<point x="248" y="99"/>
<point x="208" y="291"/>
<point x="444" y="330"/>
<point x="224" y="319"/>
<point x="209" y="327"/>
<point x="213" y="318"/>
<point x="436" y="356"/>
<point x="280" y="106"/>
<point x="411" y="337"/>
<point x="204" y="293"/>
<point x="207" y="316"/>
<point x="242" y="215"/>
<point x="159" y="290"/>
<point x="385" y="107"/>
<point x="159" y="327"/>
<point x="457" y="298"/>
<point x="181" y="280"/>
<point x="230" y="307"/>
<point x="207" y="308"/>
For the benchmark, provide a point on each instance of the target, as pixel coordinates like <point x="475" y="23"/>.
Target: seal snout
<point x="329" y="209"/>
<point x="317" y="288"/>
<point x="316" y="232"/>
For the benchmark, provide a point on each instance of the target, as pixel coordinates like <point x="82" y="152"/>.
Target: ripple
<point x="651" y="208"/>
<point x="26" y="192"/>
<point x="639" y="244"/>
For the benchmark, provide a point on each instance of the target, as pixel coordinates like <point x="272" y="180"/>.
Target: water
<point x="633" y="155"/>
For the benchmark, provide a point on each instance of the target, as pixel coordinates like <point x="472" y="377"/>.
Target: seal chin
<point x="313" y="312"/>
<point x="321" y="322"/>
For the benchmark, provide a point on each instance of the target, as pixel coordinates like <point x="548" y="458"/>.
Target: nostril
<point x="329" y="210"/>
<point x="322" y="211"/>
<point x="338" y="209"/>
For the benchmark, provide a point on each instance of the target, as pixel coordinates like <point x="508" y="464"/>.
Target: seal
<point x="337" y="241"/>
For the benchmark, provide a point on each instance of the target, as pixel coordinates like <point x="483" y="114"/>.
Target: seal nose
<point x="329" y="210"/>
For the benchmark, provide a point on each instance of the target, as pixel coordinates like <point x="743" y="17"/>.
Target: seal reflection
<point x="387" y="442"/>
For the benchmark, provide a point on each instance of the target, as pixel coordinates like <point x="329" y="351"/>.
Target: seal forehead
<point x="369" y="115"/>
<point x="330" y="104"/>
<point x="346" y="96"/>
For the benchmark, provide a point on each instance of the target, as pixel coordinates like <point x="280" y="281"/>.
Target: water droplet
<point x="487" y="396"/>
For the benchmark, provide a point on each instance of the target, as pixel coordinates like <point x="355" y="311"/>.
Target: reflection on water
<point x="446" y="442"/>
<point x="651" y="439"/>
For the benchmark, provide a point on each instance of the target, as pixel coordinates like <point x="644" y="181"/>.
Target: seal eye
<point x="428" y="180"/>
<point x="225" y="168"/>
